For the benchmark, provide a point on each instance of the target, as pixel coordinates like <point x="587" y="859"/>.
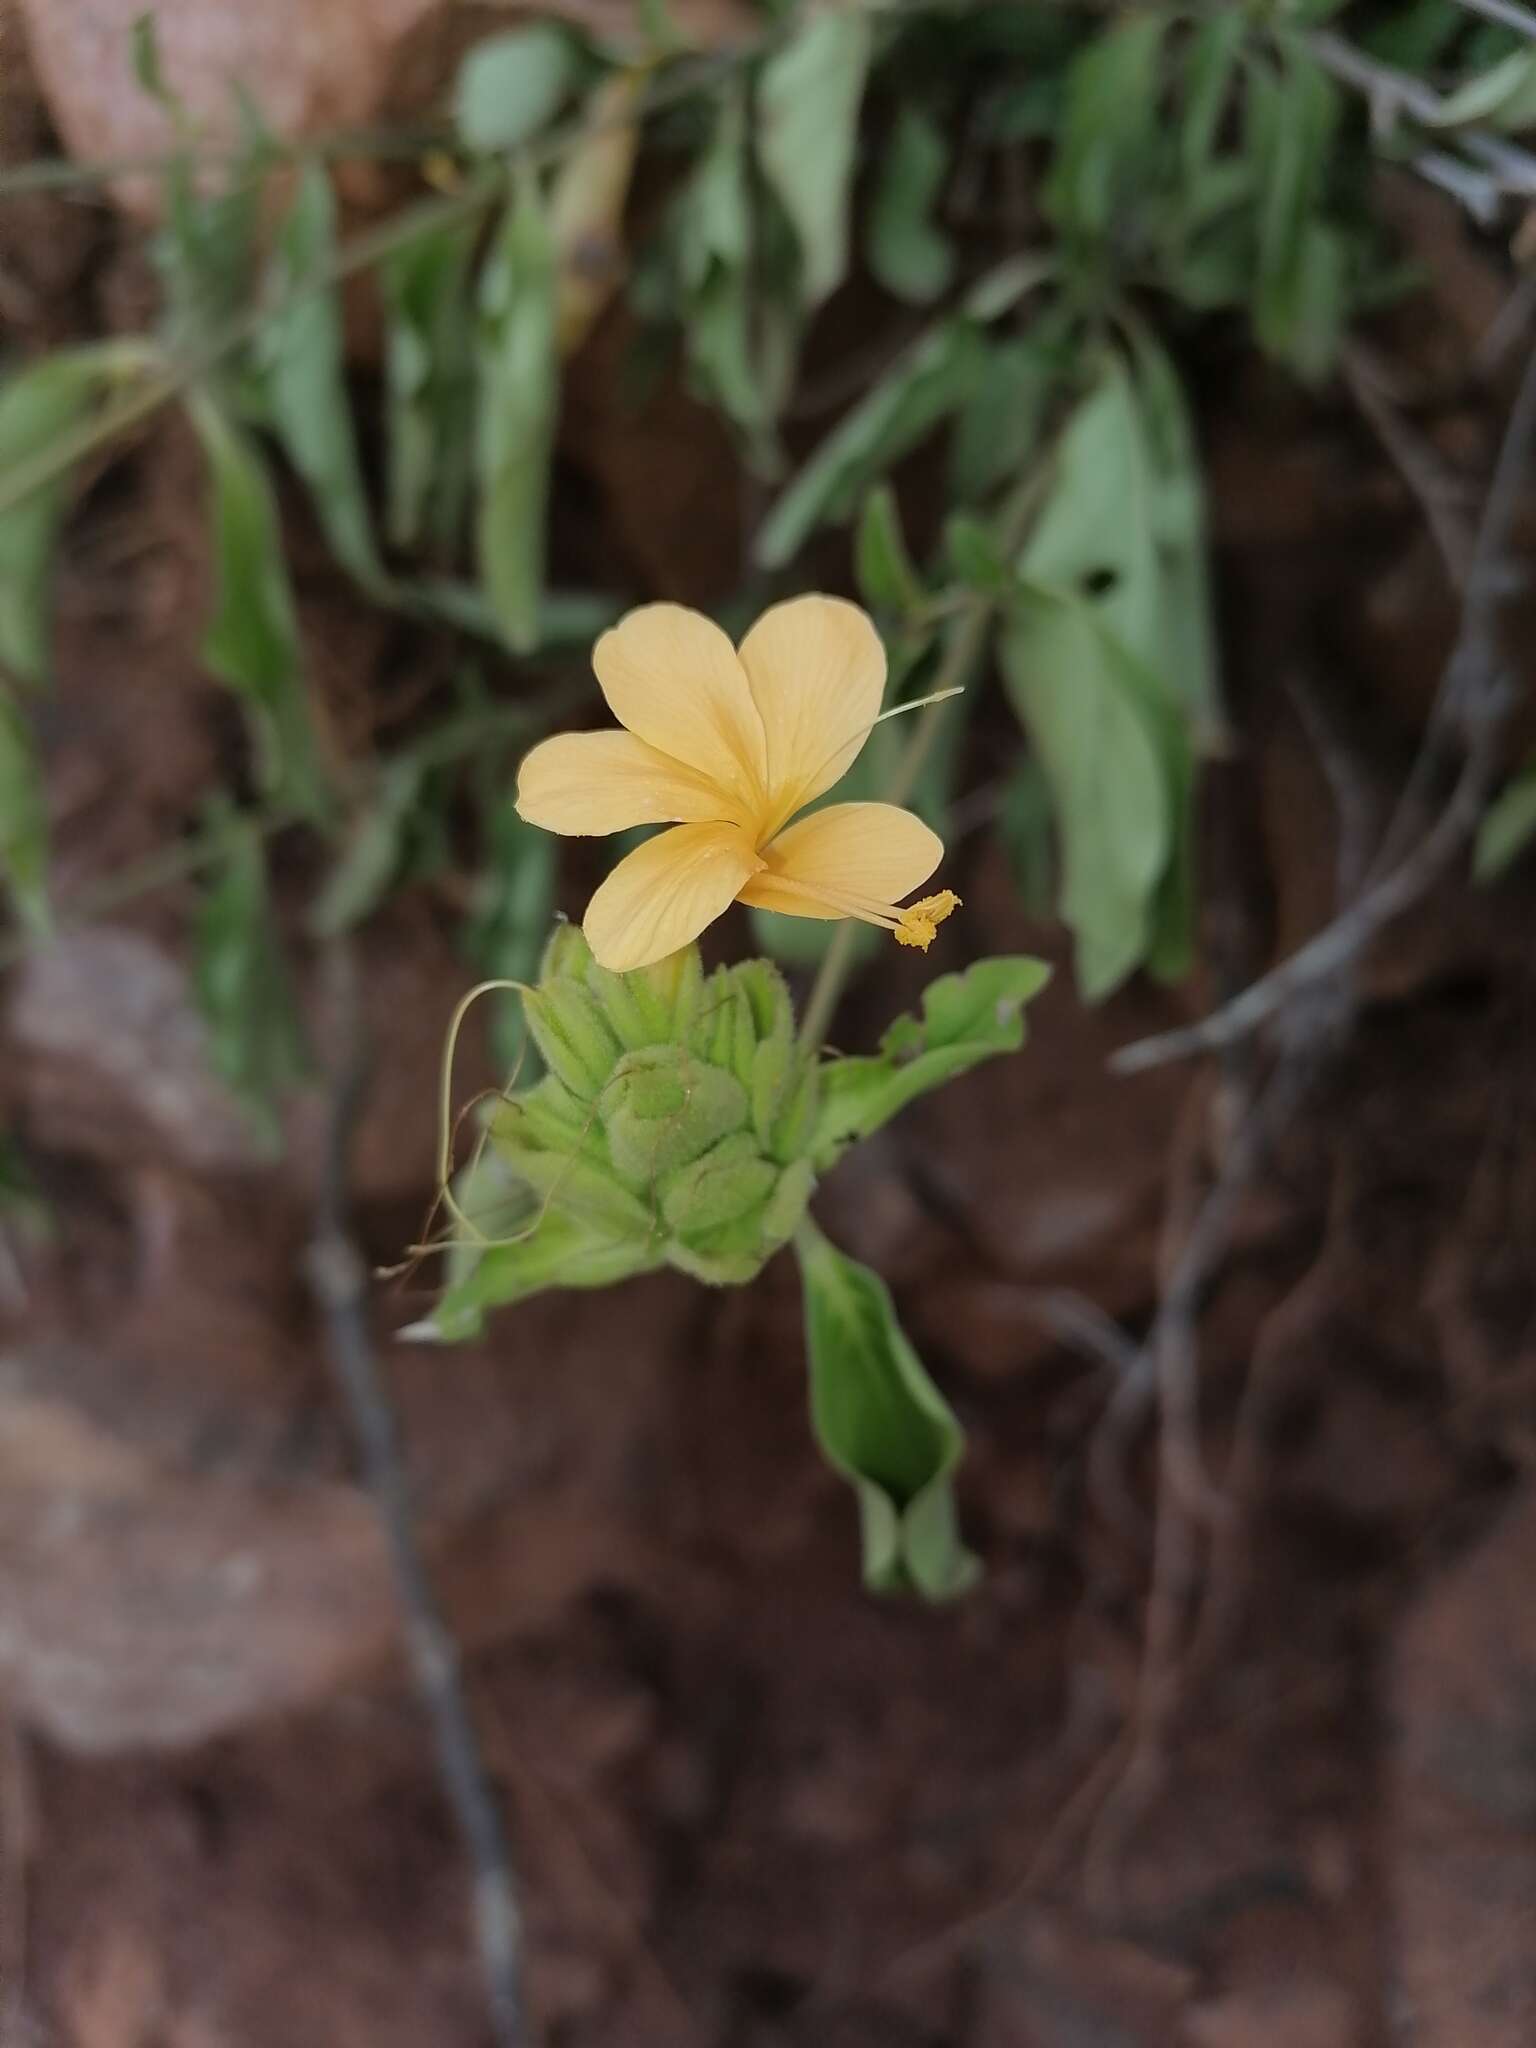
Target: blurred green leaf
<point x="975" y="555"/>
<point x="1210" y="70"/>
<point x="999" y="425"/>
<point x="252" y="641"/>
<point x="1123" y="529"/>
<point x="1024" y="827"/>
<point x="205" y="248"/>
<point x="38" y="406"/>
<point x="967" y="1018"/>
<point x="741" y="322"/>
<point x="429" y="372"/>
<point x="1503" y="97"/>
<point x="144" y="57"/>
<point x="1112" y="128"/>
<point x="519" y="400"/>
<point x="23" y="818"/>
<point x="884" y="1425"/>
<point x="301" y="358"/>
<point x="911" y="257"/>
<point x="882" y="566"/>
<point x="1086" y="713"/>
<point x="1298" y="303"/>
<point x="809" y="95"/>
<point x="509" y="923"/>
<point x="928" y="383"/>
<point x="509" y="86"/>
<point x="375" y="852"/>
<point x="255" y="1039"/>
<point x="1508" y="826"/>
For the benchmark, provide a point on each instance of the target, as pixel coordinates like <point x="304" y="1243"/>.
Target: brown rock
<point x="143" y="1606"/>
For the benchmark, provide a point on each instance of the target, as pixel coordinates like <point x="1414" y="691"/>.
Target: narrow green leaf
<point x="998" y="430"/>
<point x="911" y="257"/>
<point x="1111" y="128"/>
<point x="256" y="1041"/>
<point x="510" y="85"/>
<point x="252" y="641"/>
<point x="429" y="371"/>
<point x="509" y="922"/>
<point x="1503" y="97"/>
<point x="887" y="580"/>
<point x="809" y="96"/>
<point x="23" y="818"/>
<point x="375" y="853"/>
<point x="1124" y="529"/>
<point x="1210" y="69"/>
<point x="966" y="1018"/>
<point x="928" y="384"/>
<point x="884" y="1425"/>
<point x="1075" y="689"/>
<point x="519" y="398"/>
<point x="144" y="57"/>
<point x="38" y="406"/>
<point x="975" y="555"/>
<point x="1295" y="117"/>
<point x="299" y="352"/>
<point x="1508" y="826"/>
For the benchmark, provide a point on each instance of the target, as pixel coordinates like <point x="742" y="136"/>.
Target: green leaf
<point x="1124" y="529"/>
<point x="510" y="85"/>
<point x="519" y="399"/>
<point x="928" y="383"/>
<point x="509" y="922"/>
<point x="809" y="96"/>
<point x="205" y="251"/>
<point x="966" y="1018"/>
<point x="912" y="258"/>
<point x="1210" y="68"/>
<point x="1085" y="710"/>
<point x="23" y="819"/>
<point x="300" y="356"/>
<point x="1297" y="304"/>
<point x="1503" y="97"/>
<point x="741" y="316"/>
<point x="539" y="1248"/>
<point x="882" y="1423"/>
<point x="999" y="425"/>
<point x="374" y="854"/>
<point x="429" y="373"/>
<point x="887" y="580"/>
<point x="1024" y="827"/>
<point x="256" y="1041"/>
<point x="39" y="405"/>
<point x="975" y="555"/>
<point x="1508" y="826"/>
<point x="144" y="58"/>
<point x="252" y="641"/>
<point x="1111" y="128"/>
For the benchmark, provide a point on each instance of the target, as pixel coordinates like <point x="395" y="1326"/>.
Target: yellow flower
<point x="725" y="745"/>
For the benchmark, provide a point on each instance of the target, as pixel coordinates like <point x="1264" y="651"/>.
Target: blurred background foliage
<point x="1041" y="220"/>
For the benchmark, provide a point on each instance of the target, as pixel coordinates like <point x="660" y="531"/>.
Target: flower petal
<point x="817" y="670"/>
<point x="607" y="782"/>
<point x="865" y="853"/>
<point x="662" y="895"/>
<point x="673" y="678"/>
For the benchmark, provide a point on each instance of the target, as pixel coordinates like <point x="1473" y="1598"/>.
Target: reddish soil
<point x="751" y="1805"/>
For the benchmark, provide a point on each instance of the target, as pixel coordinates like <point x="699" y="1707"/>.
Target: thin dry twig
<point x="338" y="1275"/>
<point x="1439" y="495"/>
<point x="1476" y="696"/>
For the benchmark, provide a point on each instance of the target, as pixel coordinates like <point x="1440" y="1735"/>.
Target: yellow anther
<point x="916" y="925"/>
